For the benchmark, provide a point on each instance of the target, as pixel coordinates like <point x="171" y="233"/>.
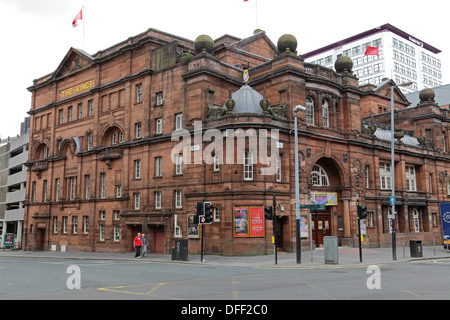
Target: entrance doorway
<point x="39" y="239"/>
<point x="321" y="224"/>
<point x="156" y="238"/>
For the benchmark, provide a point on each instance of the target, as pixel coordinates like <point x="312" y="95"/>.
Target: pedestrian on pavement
<point x="144" y="246"/>
<point x="137" y="243"/>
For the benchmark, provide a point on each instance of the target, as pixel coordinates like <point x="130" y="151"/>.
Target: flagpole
<point x="256" y="13"/>
<point x="84" y="22"/>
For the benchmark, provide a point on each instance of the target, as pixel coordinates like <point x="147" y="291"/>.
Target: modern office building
<point x="401" y="57"/>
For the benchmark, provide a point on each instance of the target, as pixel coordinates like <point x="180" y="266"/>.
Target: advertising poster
<point x="256" y="222"/>
<point x="327" y="198"/>
<point x="8" y="239"/>
<point x="193" y="228"/>
<point x="241" y="222"/>
<point x="249" y="222"/>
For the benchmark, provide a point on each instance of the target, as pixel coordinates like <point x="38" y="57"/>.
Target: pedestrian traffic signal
<point x="362" y="212"/>
<point x="208" y="212"/>
<point x="268" y="212"/>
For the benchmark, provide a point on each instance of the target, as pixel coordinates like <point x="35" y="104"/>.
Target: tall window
<point x="319" y="177"/>
<point x="179" y="164"/>
<point x="138" y="130"/>
<point x="178" y="121"/>
<point x="139" y="93"/>
<point x="90" y="107"/>
<point x="410" y="178"/>
<point x="325" y="113"/>
<point x="158" y="126"/>
<point x="75" y="224"/>
<point x="87" y="179"/>
<point x="158" y="166"/>
<point x="278" y="168"/>
<point x="72" y="188"/>
<point x="57" y="189"/>
<point x="385" y="175"/>
<point x="248" y="165"/>
<point x="137" y="169"/>
<point x="309" y="111"/>
<point x="103" y="185"/>
<point x="158" y="200"/>
<point x="178" y="199"/>
<point x="137" y="201"/>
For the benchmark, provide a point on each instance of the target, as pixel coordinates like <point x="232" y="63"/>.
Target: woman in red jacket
<point x="137" y="243"/>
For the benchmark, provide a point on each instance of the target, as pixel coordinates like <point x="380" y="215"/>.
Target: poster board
<point x="249" y="222"/>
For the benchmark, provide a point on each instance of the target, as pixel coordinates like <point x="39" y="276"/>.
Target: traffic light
<point x="362" y="212"/>
<point x="268" y="213"/>
<point x="199" y="212"/>
<point x="208" y="212"/>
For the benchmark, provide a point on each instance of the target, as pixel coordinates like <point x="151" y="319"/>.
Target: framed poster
<point x="249" y="222"/>
<point x="194" y="229"/>
<point x="241" y="222"/>
<point x="8" y="239"/>
<point x="256" y="222"/>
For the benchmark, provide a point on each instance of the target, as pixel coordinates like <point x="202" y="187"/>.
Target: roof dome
<point x="287" y="41"/>
<point x="343" y="64"/>
<point x="427" y="94"/>
<point x="247" y="100"/>
<point x="204" y="42"/>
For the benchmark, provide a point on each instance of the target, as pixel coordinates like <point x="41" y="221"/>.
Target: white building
<point x="402" y="57"/>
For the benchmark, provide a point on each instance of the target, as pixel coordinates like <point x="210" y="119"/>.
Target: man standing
<point x="137" y="243"/>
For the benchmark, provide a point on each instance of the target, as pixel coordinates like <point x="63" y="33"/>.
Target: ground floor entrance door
<point x="321" y="224"/>
<point x="39" y="239"/>
<point x="156" y="238"/>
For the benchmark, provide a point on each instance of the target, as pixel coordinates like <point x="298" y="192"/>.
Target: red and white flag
<point x="371" y="51"/>
<point x="79" y="16"/>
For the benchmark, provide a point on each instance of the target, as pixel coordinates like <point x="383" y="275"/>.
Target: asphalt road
<point x="57" y="279"/>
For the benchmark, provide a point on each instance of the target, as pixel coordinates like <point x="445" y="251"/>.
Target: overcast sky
<point x="36" y="34"/>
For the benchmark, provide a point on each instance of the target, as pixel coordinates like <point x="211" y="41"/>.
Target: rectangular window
<point x="158" y="166"/>
<point x="75" y="224"/>
<point x="90" y="144"/>
<point x="57" y="189"/>
<point x="118" y="191"/>
<point x="61" y="116"/>
<point x="216" y="162"/>
<point x="45" y="191"/>
<point x="278" y="168"/>
<point x="70" y="109"/>
<point x="72" y="188"/>
<point x="102" y="232"/>
<point x="178" y="199"/>
<point x="158" y="126"/>
<point x="138" y="130"/>
<point x="179" y="164"/>
<point x="80" y="110"/>
<point x="85" y="224"/>
<point x="137" y="169"/>
<point x="139" y="93"/>
<point x="116" y="233"/>
<point x="55" y="224"/>
<point x="158" y="200"/>
<point x="385" y="175"/>
<point x="159" y="99"/>
<point x="178" y="121"/>
<point x="87" y="179"/>
<point x="103" y="185"/>
<point x="248" y="165"/>
<point x="65" y="225"/>
<point x="137" y="201"/>
<point x="410" y="178"/>
<point x="90" y="107"/>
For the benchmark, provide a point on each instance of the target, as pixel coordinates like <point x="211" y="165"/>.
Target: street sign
<point x="313" y="206"/>
<point x="392" y="201"/>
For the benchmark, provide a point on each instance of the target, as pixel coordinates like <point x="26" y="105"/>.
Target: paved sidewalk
<point x="347" y="257"/>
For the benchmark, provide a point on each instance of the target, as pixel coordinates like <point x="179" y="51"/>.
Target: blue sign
<point x="445" y="215"/>
<point x="392" y="201"/>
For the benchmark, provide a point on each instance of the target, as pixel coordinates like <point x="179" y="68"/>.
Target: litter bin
<point x="330" y="250"/>
<point x="415" y="246"/>
<point x="180" y="252"/>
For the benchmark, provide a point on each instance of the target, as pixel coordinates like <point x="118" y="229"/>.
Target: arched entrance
<point x="325" y="182"/>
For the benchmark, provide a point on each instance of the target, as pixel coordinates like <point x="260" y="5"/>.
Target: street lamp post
<point x="394" y="236"/>
<point x="297" y="190"/>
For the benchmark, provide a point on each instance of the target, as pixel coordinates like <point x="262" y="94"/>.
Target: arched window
<point x="319" y="177"/>
<point x="309" y="111"/>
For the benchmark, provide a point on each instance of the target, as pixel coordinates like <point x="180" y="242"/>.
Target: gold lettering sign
<point x="76" y="89"/>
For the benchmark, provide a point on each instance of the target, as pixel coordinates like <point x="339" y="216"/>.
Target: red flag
<point x="79" y="16"/>
<point x="245" y="0"/>
<point x="371" y="51"/>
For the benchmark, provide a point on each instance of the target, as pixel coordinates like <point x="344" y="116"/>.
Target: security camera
<point x="299" y="108"/>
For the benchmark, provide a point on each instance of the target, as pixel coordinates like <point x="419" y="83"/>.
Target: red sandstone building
<point x="102" y="127"/>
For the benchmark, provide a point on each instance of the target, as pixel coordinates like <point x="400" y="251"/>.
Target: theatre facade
<point x="130" y="140"/>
